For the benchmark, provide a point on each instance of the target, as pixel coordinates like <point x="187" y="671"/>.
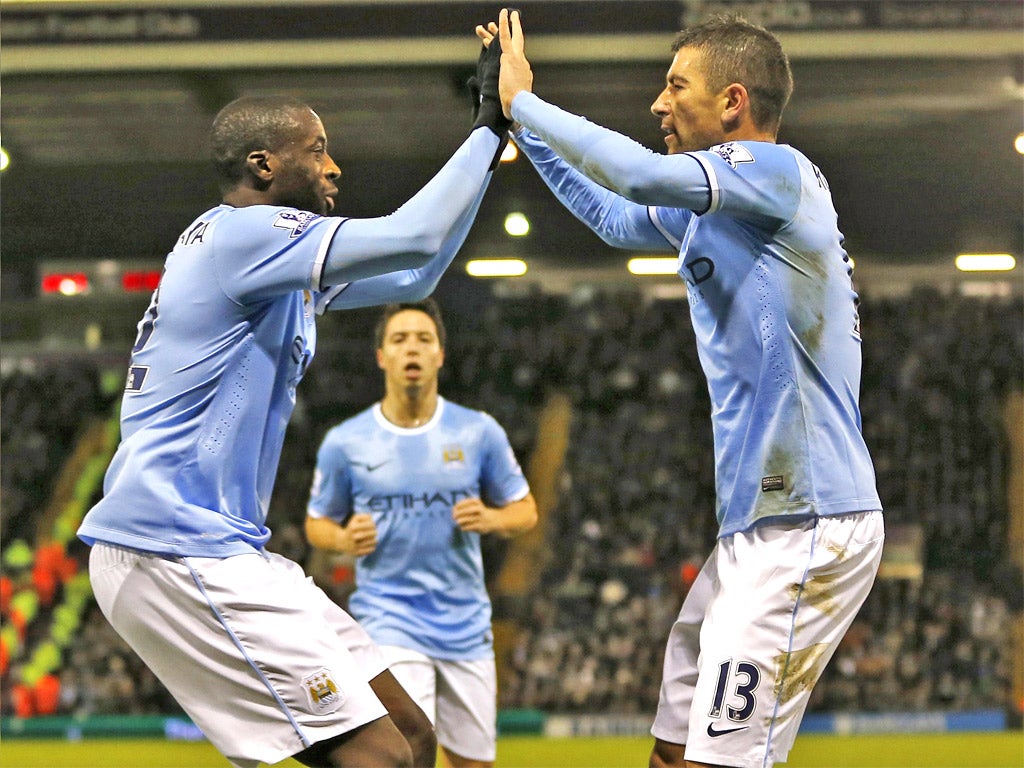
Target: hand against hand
<point x="516" y="74"/>
<point x="483" y="88"/>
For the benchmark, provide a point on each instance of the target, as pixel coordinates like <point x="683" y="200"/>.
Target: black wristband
<point x="489" y="114"/>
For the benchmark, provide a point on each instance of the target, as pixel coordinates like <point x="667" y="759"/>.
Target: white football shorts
<point x="258" y="656"/>
<point x="754" y="634"/>
<point x="459" y="697"/>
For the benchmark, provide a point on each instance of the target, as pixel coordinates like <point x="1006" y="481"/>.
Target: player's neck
<point x="747" y="131"/>
<point x="409" y="408"/>
<point x="243" y="197"/>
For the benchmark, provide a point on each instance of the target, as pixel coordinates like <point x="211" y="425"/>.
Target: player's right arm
<point x="357" y="537"/>
<point x="613" y="218"/>
<point x="330" y="522"/>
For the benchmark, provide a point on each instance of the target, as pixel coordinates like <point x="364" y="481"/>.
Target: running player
<point x="408" y="486"/>
<point x="264" y="663"/>
<point x="778" y="335"/>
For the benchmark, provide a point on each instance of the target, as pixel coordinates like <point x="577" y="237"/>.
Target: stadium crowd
<point x="634" y="518"/>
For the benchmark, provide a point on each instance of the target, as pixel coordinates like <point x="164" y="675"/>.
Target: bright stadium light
<point x="496" y="267"/>
<point x="516" y="224"/>
<point x="510" y="153"/>
<point x="653" y="265"/>
<point x="985" y="262"/>
<point x="5" y="159"/>
<point x="1018" y="143"/>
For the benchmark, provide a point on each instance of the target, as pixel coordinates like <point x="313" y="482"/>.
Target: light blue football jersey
<point x="227" y="338"/>
<point x="211" y="385"/>
<point x="770" y="297"/>
<point x="423" y="587"/>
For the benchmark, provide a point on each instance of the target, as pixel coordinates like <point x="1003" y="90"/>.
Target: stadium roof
<point x="106" y="106"/>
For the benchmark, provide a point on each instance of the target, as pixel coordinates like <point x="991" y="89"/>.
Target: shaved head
<point x="248" y="124"/>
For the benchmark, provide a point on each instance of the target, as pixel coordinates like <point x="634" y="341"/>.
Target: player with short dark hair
<point x="428" y="307"/>
<point x="263" y="661"/>
<point x="778" y="334"/>
<point x="408" y="486"/>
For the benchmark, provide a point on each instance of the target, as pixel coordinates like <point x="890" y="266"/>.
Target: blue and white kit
<point x="258" y="656"/>
<point x="423" y="587"/>
<point x="770" y="298"/>
<point x="227" y="338"/>
<point x="778" y="334"/>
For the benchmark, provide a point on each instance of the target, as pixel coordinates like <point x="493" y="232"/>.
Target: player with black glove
<point x="483" y="90"/>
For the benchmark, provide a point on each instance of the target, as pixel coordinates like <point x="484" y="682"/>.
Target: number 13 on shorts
<point x="741" y="680"/>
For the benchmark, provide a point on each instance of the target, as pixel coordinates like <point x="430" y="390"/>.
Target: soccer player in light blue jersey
<point x="408" y="486"/>
<point x="259" y="658"/>
<point x="777" y="328"/>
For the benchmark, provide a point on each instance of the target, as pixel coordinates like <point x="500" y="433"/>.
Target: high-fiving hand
<point x="516" y="74"/>
<point x="483" y="88"/>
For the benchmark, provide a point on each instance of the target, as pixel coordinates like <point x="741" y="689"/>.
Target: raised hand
<point x="516" y="74"/>
<point x="483" y="88"/>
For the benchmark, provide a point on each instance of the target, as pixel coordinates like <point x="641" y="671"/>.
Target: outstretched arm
<point x="405" y="285"/>
<point x="425" y="233"/>
<point x="423" y="236"/>
<point x="613" y="218"/>
<point x="614" y="161"/>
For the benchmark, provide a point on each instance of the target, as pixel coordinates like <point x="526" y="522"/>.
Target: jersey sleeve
<point x="331" y="494"/>
<point x="404" y="285"/>
<point x="262" y="251"/>
<point x="418" y="241"/>
<point x="614" y="161"/>
<point x="616" y="220"/>
<point x="754" y="181"/>
<point x="501" y="478"/>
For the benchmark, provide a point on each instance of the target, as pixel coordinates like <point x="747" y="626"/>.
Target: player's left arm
<point x="610" y="159"/>
<point x="501" y="478"/>
<point x="405" y="285"/>
<point x="510" y="520"/>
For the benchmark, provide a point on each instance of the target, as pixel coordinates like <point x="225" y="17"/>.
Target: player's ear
<point x="440" y="363"/>
<point x="258" y="164"/>
<point x="380" y="359"/>
<point x="736" y="104"/>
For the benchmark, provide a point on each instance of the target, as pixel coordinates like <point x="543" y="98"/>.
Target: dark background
<point x="910" y="113"/>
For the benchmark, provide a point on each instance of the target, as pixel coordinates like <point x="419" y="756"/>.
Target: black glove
<point x="483" y="88"/>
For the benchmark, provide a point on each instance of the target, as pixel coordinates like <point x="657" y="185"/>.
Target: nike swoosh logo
<point x="712" y="732"/>
<point x="373" y="467"/>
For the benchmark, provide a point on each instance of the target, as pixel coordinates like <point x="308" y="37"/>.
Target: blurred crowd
<point x="634" y="518"/>
<point x="42" y="410"/>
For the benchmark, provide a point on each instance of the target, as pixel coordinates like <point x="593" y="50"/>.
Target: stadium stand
<point x="631" y="517"/>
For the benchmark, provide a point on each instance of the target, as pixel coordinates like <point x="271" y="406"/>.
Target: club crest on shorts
<point x="322" y="691"/>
